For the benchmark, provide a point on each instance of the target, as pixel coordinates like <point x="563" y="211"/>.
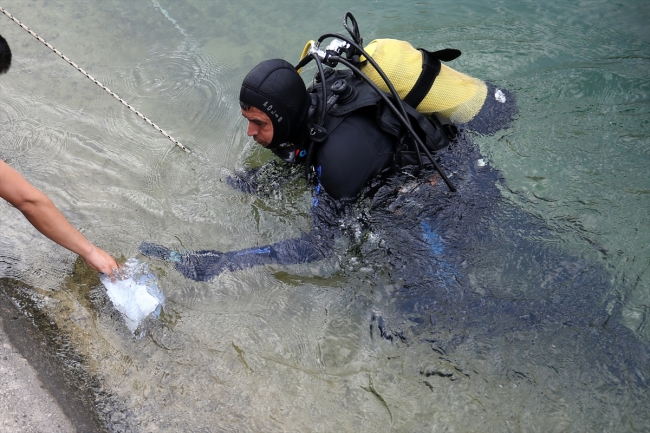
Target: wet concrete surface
<point x="37" y="394"/>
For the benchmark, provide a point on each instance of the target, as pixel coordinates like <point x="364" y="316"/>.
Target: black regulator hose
<point x="354" y="31"/>
<point x="321" y="117"/>
<point x="323" y="101"/>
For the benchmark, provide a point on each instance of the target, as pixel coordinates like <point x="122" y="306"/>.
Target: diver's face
<point x="260" y="126"/>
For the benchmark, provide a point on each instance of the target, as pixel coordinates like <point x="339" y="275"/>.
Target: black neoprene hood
<point x="275" y="87"/>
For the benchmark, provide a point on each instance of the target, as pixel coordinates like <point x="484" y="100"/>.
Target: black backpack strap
<point x="430" y="70"/>
<point x="438" y="133"/>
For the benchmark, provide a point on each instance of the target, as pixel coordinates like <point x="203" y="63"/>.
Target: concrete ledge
<point x="37" y="392"/>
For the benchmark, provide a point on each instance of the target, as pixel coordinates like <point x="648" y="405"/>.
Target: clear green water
<point x="287" y="348"/>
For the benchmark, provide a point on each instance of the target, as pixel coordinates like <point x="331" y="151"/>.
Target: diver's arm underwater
<point x="206" y="264"/>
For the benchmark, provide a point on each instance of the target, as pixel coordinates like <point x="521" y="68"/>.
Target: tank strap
<point x="430" y="70"/>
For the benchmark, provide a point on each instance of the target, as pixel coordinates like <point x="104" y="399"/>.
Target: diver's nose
<point x="252" y="129"/>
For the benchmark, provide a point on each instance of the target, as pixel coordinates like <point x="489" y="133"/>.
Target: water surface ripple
<point x="520" y="303"/>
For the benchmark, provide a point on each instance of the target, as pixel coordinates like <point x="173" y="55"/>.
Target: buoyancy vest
<point x="357" y="95"/>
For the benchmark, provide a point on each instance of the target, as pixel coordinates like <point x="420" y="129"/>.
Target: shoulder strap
<point x="438" y="133"/>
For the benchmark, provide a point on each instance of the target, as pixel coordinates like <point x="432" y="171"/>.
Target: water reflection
<point x="422" y="319"/>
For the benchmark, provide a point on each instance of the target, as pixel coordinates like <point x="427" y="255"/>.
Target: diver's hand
<point x="244" y="180"/>
<point x="159" y="252"/>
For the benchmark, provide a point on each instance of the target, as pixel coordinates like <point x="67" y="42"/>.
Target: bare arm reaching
<point x="47" y="219"/>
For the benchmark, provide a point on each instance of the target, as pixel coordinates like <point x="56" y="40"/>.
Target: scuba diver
<point x="451" y="263"/>
<point x="449" y="268"/>
<point x="348" y="128"/>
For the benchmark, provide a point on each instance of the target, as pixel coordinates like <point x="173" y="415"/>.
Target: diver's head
<point x="5" y="55"/>
<point x="274" y="100"/>
<point x="260" y="126"/>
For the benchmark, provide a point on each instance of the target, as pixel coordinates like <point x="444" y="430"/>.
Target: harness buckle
<point x="317" y="133"/>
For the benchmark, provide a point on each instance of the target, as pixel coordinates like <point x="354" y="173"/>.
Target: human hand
<point x="101" y="261"/>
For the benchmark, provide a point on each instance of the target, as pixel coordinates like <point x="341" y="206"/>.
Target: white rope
<point x="90" y="77"/>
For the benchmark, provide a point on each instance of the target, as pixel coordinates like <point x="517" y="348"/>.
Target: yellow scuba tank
<point x="455" y="95"/>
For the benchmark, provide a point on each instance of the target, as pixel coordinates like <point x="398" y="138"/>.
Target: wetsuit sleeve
<point x="206" y="264"/>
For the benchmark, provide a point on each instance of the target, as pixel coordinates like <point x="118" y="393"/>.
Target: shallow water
<point x="341" y="345"/>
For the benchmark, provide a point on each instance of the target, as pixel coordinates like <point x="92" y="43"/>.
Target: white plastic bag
<point x="134" y="293"/>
